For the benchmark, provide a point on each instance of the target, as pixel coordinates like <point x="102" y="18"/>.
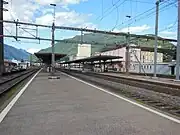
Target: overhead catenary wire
<point x="161" y="10"/>
<point x="108" y="13"/>
<point x="142" y="14"/>
<point x="102" y="4"/>
<point x="10" y="33"/>
<point x="145" y="15"/>
<point x="28" y="32"/>
<point x="99" y="17"/>
<point x="136" y="7"/>
<point x="140" y="1"/>
<point x="170" y="27"/>
<point x="117" y="16"/>
<point x="7" y="30"/>
<point x="10" y="10"/>
<point x="130" y="6"/>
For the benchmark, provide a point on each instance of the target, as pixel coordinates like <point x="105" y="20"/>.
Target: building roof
<point x="94" y="58"/>
<point x="107" y="62"/>
<point x="46" y="57"/>
<point x="113" y="47"/>
<point x="8" y="61"/>
<point x="149" y="49"/>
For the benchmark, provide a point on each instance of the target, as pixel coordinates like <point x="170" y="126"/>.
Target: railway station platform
<point x="68" y="106"/>
<point x="158" y="80"/>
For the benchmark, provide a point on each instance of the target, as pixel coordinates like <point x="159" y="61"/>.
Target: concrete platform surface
<point x="147" y="78"/>
<point x="68" y="107"/>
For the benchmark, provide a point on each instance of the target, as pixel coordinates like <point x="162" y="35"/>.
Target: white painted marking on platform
<point x="13" y="101"/>
<point x="128" y="100"/>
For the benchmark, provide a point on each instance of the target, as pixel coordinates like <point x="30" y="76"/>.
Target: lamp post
<point x="127" y="63"/>
<point x="52" y="43"/>
<point x="156" y="35"/>
<point x="178" y="44"/>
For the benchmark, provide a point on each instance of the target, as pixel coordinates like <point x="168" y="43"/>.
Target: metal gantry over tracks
<point x="36" y="37"/>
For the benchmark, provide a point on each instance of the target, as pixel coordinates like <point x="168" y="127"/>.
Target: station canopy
<point x="93" y="59"/>
<point x="47" y="57"/>
<point x="107" y="62"/>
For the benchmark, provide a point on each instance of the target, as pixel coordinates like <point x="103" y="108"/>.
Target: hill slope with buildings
<point x="99" y="42"/>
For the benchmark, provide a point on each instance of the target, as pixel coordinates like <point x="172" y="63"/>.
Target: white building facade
<point x="84" y="51"/>
<point x="140" y="61"/>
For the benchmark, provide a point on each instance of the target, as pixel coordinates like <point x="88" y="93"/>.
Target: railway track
<point x="9" y="81"/>
<point x="160" y="97"/>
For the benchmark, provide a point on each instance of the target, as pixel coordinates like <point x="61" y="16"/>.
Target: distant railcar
<point x="24" y="65"/>
<point x="9" y="65"/>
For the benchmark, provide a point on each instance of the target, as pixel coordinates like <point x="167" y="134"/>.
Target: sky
<point x="109" y="15"/>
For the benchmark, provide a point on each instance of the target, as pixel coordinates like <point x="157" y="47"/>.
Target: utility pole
<point x="127" y="63"/>
<point x="156" y="36"/>
<point x="178" y="44"/>
<point x="81" y="37"/>
<point x="2" y="37"/>
<point x="53" y="55"/>
<point x="52" y="43"/>
<point x="30" y="60"/>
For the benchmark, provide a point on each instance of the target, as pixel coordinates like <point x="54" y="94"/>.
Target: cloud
<point x="33" y="50"/>
<point x="59" y="2"/>
<point x="66" y="18"/>
<point x="135" y="29"/>
<point x="24" y="10"/>
<point x="27" y="10"/>
<point x="88" y="25"/>
<point x="168" y="34"/>
<point x="37" y="11"/>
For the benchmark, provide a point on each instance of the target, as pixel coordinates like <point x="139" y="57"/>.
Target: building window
<point x="143" y="58"/>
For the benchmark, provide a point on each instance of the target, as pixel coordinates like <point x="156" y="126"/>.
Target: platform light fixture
<point x="5" y="2"/>
<point x="52" y="43"/>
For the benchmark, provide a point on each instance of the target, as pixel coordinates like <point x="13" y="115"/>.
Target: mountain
<point x="14" y="53"/>
<point x="99" y="41"/>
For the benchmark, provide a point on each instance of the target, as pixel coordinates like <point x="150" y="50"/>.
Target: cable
<point x="102" y="7"/>
<point x="167" y="28"/>
<point x="117" y="18"/>
<point x="112" y="2"/>
<point x="10" y="33"/>
<point x="28" y="32"/>
<point x="175" y="5"/>
<point x="112" y="10"/>
<point x="165" y="7"/>
<point x="152" y="13"/>
<point x="137" y="16"/>
<point x="11" y="12"/>
<point x="108" y="9"/>
<point x="131" y="6"/>
<point x="141" y="1"/>
<point x="146" y="15"/>
<point x="136" y="7"/>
